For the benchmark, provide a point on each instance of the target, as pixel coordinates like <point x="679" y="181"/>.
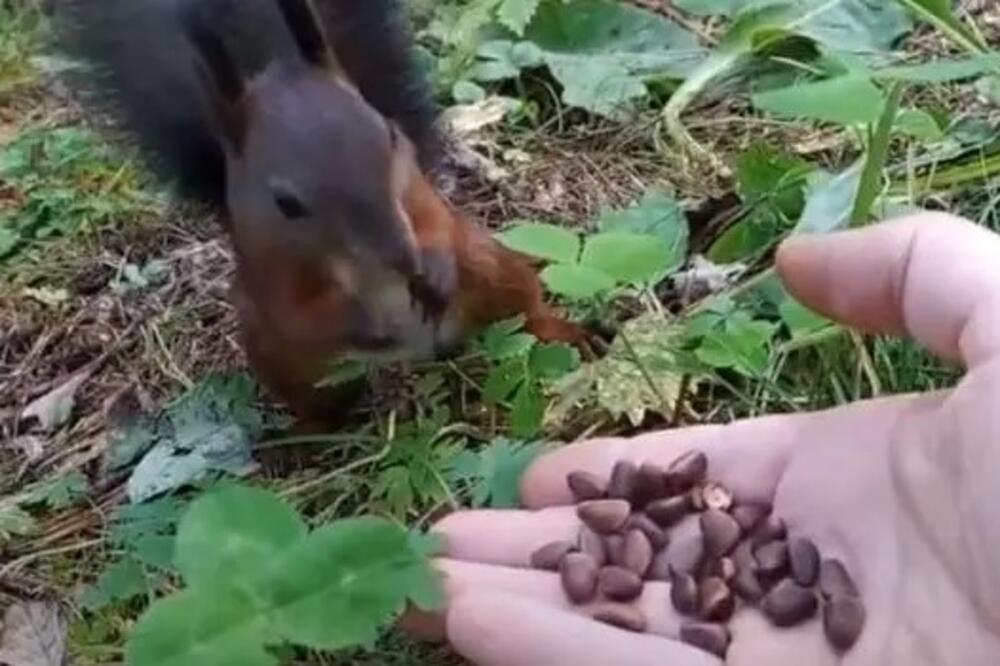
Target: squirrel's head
<point x="311" y="164"/>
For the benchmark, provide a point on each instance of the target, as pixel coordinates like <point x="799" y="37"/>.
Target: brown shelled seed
<point x="660" y="568"/>
<point x="712" y="638"/>
<point x="592" y="544"/>
<point x="685" y="555"/>
<point x="834" y="581"/>
<point x="658" y="537"/>
<point x="789" y="604"/>
<point x="770" y="529"/>
<point x="803" y="557"/>
<point x="579" y="577"/>
<point x="625" y="617"/>
<point x="622" y="484"/>
<point x="749" y="516"/>
<point x="614" y="546"/>
<point x="715" y="600"/>
<point x="668" y="512"/>
<point x="684" y="594"/>
<point x="586" y="486"/>
<point x="650" y="485"/>
<point x="747" y="586"/>
<point x="550" y="556"/>
<point x="772" y="559"/>
<point x="721" y="532"/>
<point x="637" y="553"/>
<point x="604" y="516"/>
<point x="618" y="584"/>
<point x="687" y="471"/>
<point x="843" y="622"/>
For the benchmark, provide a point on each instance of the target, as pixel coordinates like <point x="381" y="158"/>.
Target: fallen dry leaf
<point x="34" y="634"/>
<point x="55" y="407"/>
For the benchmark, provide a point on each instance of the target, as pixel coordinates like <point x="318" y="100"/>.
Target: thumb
<point x="932" y="276"/>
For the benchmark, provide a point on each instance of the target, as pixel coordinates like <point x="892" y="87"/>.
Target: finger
<point x="506" y="537"/>
<point x="491" y="628"/>
<point x="932" y="276"/>
<point x="749" y="456"/>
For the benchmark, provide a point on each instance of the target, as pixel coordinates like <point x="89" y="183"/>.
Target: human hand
<point x="900" y="489"/>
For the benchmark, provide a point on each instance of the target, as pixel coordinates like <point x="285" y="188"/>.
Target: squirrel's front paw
<point x="434" y="288"/>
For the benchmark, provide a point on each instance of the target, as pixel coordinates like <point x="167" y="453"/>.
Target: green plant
<point x="20" y="26"/>
<point x="257" y="579"/>
<point x="520" y="369"/>
<point x="61" y="181"/>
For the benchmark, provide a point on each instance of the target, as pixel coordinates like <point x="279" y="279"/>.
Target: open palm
<point x="902" y="489"/>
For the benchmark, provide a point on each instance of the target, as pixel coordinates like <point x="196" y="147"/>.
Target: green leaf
<point x="627" y="258"/>
<point x="340" y="585"/>
<point x="208" y="431"/>
<point x="545" y="241"/>
<point x="343" y="373"/>
<point x="830" y="200"/>
<point x="550" y="361"/>
<point x="744" y="346"/>
<point x="577" y="282"/>
<point x="256" y="524"/>
<point x="121" y="581"/>
<point x="872" y="176"/>
<point x="601" y="52"/>
<point x="708" y="7"/>
<point x="657" y="214"/>
<point x="919" y="124"/>
<point x="15" y="521"/>
<point x="527" y="410"/>
<point x="800" y="320"/>
<point x="517" y="14"/>
<point x="221" y="627"/>
<point x="502" y="380"/>
<point x="493" y="474"/>
<point x="467" y="92"/>
<point x="60" y="493"/>
<point x="845" y="100"/>
<point x="942" y="71"/>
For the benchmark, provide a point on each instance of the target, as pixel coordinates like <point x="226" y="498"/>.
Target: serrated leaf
<point x="576" y="282"/>
<point x="59" y="493"/>
<point x="493" y="474"/>
<point x="121" y="581"/>
<point x="845" y="100"/>
<point x="340" y="585"/>
<point x="647" y="349"/>
<point x="551" y="361"/>
<point x="502" y="380"/>
<point x="208" y="431"/>
<point x="15" y="521"/>
<point x="256" y="524"/>
<point x="517" y="14"/>
<point x="545" y="241"/>
<point x="657" y="214"/>
<point x="222" y="627"/>
<point x="527" y="410"/>
<point x="627" y="258"/>
<point x="744" y="346"/>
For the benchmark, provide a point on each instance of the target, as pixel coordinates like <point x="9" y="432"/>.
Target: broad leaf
<point x="257" y="526"/>
<point x="627" y="258"/>
<point x="846" y="100"/>
<point x="493" y="474"/>
<point x="577" y="282"/>
<point x="942" y="71"/>
<point x="830" y="200"/>
<point x="545" y="241"/>
<point x="517" y="14"/>
<point x="657" y="214"/>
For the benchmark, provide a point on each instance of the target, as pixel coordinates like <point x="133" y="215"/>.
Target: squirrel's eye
<point x="288" y="202"/>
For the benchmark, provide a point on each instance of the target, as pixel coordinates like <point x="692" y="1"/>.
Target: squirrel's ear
<point x="221" y="78"/>
<point x="306" y="28"/>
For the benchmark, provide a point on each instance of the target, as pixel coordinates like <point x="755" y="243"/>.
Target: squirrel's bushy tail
<point x="140" y="70"/>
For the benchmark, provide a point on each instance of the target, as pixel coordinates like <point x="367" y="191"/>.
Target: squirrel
<point x="310" y="127"/>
